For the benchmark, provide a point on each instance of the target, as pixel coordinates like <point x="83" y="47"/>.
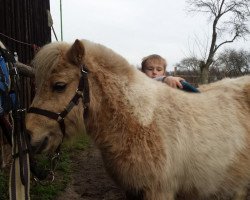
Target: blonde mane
<point x="54" y="52"/>
<point x="48" y="60"/>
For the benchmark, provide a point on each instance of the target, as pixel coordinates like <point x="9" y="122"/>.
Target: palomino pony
<point x="155" y="140"/>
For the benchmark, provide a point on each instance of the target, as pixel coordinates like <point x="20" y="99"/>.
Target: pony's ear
<point x="76" y="53"/>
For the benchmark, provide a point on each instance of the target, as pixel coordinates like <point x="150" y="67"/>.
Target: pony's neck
<point x="125" y="98"/>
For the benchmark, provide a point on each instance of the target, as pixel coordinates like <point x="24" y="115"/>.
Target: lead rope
<point x="19" y="182"/>
<point x="19" y="185"/>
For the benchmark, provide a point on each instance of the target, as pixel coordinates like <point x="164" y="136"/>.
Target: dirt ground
<point x="89" y="179"/>
<point x="91" y="182"/>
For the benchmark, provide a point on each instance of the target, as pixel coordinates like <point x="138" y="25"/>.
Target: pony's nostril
<point x="39" y="147"/>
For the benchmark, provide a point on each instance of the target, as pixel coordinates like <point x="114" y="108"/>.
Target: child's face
<point x="154" y="68"/>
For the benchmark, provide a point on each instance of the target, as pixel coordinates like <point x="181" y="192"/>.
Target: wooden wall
<point x="27" y="22"/>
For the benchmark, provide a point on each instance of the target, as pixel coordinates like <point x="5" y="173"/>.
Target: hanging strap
<point x="19" y="182"/>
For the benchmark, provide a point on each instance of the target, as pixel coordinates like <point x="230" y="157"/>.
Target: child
<point x="154" y="66"/>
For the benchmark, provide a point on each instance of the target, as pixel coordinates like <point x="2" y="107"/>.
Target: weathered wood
<point x="25" y="21"/>
<point x="25" y="70"/>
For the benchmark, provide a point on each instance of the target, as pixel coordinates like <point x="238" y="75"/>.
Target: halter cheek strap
<point x="81" y="92"/>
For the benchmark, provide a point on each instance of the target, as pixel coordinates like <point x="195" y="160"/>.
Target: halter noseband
<point x="81" y="92"/>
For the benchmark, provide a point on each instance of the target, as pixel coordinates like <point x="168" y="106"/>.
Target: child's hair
<point x="153" y="57"/>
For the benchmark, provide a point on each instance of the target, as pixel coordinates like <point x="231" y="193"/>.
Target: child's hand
<point x="174" y="81"/>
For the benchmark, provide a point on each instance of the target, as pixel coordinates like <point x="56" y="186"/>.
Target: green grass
<point x="48" y="191"/>
<point x="79" y="142"/>
<point x="62" y="172"/>
<point x="3" y="185"/>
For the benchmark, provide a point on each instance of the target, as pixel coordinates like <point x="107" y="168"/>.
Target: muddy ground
<point x="91" y="182"/>
<point x="89" y="179"/>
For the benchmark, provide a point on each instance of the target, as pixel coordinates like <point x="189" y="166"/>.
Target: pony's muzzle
<point x="38" y="147"/>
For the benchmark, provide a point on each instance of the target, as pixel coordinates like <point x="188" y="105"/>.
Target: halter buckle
<point x="21" y="110"/>
<point x="84" y="70"/>
<point x="79" y="92"/>
<point x="60" y="118"/>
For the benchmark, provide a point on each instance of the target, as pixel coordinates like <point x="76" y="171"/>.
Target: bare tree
<point x="189" y="64"/>
<point x="234" y="62"/>
<point x="229" y="18"/>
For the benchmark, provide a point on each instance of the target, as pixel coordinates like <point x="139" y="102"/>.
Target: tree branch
<point x="227" y="41"/>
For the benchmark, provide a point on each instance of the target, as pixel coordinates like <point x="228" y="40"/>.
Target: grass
<point x="3" y="185"/>
<point x="79" y="142"/>
<point x="62" y="172"/>
<point x="48" y="191"/>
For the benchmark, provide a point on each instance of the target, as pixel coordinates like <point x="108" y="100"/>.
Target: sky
<point x="136" y="28"/>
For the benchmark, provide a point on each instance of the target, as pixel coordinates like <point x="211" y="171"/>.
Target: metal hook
<point x="47" y="181"/>
<point x="50" y="179"/>
<point x="51" y="175"/>
<point x="53" y="161"/>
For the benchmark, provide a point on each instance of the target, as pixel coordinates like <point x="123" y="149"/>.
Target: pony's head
<point x="59" y="104"/>
<point x="58" y="71"/>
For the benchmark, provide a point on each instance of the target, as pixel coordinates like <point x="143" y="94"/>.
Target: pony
<point x="155" y="141"/>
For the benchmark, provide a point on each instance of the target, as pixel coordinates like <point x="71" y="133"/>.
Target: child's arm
<point x="171" y="81"/>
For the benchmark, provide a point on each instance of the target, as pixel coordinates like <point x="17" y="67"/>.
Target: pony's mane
<point x="105" y="56"/>
<point x="47" y="59"/>
<point x="50" y="55"/>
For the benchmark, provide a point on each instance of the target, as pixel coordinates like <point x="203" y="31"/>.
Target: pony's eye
<point x="59" y="87"/>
